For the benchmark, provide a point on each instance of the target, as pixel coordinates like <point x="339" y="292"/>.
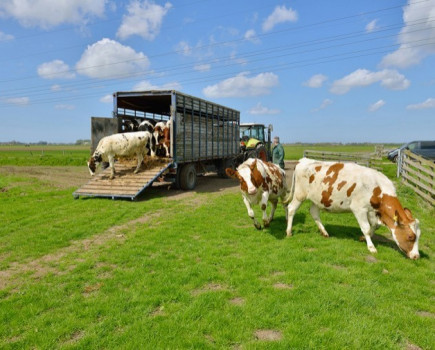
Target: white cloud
<point x="325" y="103"/>
<point x="5" y="37"/>
<point x="375" y="106"/>
<point x="259" y="109"/>
<point x="65" y="107"/>
<point x="56" y="88"/>
<point x="429" y="103"/>
<point x="202" y="67"/>
<point x="110" y="59"/>
<point x="372" y="26"/>
<point x="146" y="85"/>
<point x="50" y="13"/>
<point x="19" y="101"/>
<point x="56" y="69"/>
<point x="251" y="36"/>
<point x="184" y="48"/>
<point x="144" y="19"/>
<point x="241" y="86"/>
<point x="390" y="79"/>
<point x="107" y="98"/>
<point x="416" y="37"/>
<point x="316" y="81"/>
<point x="280" y="14"/>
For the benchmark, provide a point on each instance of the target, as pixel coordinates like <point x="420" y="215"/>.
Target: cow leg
<point x="374" y="224"/>
<point x="139" y="161"/>
<point x="293" y="206"/>
<point x="251" y="213"/>
<point x="263" y="205"/>
<point x="315" y="213"/>
<point x="112" y="166"/>
<point x="274" y="204"/>
<point x="366" y="228"/>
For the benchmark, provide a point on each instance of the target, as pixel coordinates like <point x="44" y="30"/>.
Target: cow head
<point x="406" y="232"/>
<point x="93" y="162"/>
<point x="249" y="176"/>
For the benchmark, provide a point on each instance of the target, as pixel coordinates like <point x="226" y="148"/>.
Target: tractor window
<point x="256" y="132"/>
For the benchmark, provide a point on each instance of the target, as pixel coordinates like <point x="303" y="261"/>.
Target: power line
<point x="263" y="54"/>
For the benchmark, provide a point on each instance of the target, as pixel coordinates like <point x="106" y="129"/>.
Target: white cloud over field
<point x="390" y="79"/>
<point x="110" y="59"/>
<point x="144" y="19"/>
<point x="377" y="105"/>
<point x="50" y="13"/>
<point x="416" y="37"/>
<point x="316" y="81"/>
<point x="242" y="85"/>
<point x="280" y="14"/>
<point x="429" y="103"/>
<point x="55" y="69"/>
<point x="259" y="109"/>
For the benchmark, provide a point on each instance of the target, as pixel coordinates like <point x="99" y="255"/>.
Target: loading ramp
<point x="126" y="183"/>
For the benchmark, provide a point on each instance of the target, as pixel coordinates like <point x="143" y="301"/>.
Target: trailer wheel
<point x="188" y="177"/>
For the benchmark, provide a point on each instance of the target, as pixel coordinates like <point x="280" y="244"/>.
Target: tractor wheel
<point x="261" y="153"/>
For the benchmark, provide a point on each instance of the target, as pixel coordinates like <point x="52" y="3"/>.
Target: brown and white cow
<point x="367" y="193"/>
<point x="260" y="182"/>
<point x="162" y="135"/>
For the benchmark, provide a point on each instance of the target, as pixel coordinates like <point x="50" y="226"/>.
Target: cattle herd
<point x="330" y="186"/>
<point x="142" y="139"/>
<point x="333" y="187"/>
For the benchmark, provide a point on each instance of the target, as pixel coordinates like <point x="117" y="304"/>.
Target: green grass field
<point x="190" y="271"/>
<point x="44" y="155"/>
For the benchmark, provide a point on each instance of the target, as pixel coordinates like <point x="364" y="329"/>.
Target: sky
<point x="318" y="71"/>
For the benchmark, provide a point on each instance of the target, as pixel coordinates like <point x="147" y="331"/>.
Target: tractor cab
<point x="255" y="141"/>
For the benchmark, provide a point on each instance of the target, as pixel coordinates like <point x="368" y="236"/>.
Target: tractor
<point x="255" y="142"/>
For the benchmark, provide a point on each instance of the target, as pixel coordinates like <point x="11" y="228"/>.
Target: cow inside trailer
<point x="204" y="135"/>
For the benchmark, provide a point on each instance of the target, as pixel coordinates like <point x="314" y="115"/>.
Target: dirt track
<point x="64" y="177"/>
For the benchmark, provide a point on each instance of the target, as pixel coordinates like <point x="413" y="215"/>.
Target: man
<point x="278" y="153"/>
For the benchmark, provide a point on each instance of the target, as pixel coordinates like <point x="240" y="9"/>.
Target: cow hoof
<point x="289" y="234"/>
<point x="372" y="250"/>
<point x="258" y="227"/>
<point x="266" y="224"/>
<point x="324" y="234"/>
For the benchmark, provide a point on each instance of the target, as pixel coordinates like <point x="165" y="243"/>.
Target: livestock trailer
<point x="204" y="136"/>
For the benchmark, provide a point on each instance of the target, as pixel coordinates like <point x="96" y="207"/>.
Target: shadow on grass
<point x="279" y="225"/>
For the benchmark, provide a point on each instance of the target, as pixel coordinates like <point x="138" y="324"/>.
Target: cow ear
<point x="408" y="214"/>
<point x="231" y="173"/>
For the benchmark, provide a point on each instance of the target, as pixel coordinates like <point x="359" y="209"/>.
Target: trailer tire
<point x="188" y="177"/>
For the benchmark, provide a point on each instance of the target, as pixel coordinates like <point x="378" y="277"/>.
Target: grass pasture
<point x="188" y="270"/>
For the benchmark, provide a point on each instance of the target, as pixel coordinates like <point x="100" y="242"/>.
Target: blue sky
<point x="319" y="71"/>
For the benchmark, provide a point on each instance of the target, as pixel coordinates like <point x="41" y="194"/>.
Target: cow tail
<point x="290" y="194"/>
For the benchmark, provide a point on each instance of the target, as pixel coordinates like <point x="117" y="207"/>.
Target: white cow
<point x="260" y="182"/>
<point x="348" y="187"/>
<point x="125" y="144"/>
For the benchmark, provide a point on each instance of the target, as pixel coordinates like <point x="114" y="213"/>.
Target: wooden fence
<point x="419" y="174"/>
<point x="370" y="160"/>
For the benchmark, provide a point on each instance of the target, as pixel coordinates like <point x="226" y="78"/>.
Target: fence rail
<point x="371" y="160"/>
<point x="418" y="173"/>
